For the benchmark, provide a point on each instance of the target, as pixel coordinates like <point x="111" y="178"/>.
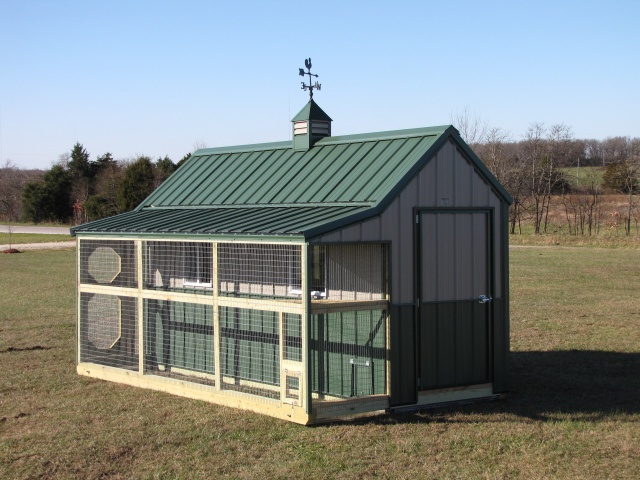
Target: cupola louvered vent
<point x="309" y="126"/>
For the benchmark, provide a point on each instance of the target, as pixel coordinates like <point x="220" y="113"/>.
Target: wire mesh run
<point x="293" y="337"/>
<point x="108" y="330"/>
<point x="179" y="266"/>
<point x="250" y="351"/>
<point x="260" y="270"/>
<point x="179" y="340"/>
<point x="348" y="271"/>
<point x="348" y="354"/>
<point x="108" y="262"/>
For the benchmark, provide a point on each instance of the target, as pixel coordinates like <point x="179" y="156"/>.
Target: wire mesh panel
<point x="260" y="270"/>
<point x="293" y="337"/>
<point x="108" y="262"/>
<point x="348" y="271"/>
<point x="348" y="353"/>
<point x="178" y="266"/>
<point x="250" y="351"/>
<point x="179" y="339"/>
<point x="108" y="330"/>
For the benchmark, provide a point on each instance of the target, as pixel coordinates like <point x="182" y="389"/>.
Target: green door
<point x="454" y="298"/>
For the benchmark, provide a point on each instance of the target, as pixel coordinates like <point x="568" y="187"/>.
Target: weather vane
<point x="310" y="87"/>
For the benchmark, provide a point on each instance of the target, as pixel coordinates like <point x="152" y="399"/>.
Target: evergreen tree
<point x="102" y="163"/>
<point x="138" y="183"/>
<point x="79" y="164"/>
<point x="163" y="169"/>
<point x="48" y="199"/>
<point x="183" y="159"/>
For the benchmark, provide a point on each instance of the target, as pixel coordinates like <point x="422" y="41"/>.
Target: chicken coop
<point x="310" y="280"/>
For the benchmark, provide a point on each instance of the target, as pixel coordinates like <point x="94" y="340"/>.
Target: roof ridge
<point x="259" y="205"/>
<point x="337" y="139"/>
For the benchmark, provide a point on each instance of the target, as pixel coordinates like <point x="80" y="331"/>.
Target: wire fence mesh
<point x="179" y="266"/>
<point x="179" y="340"/>
<point x="108" y="262"/>
<point x="257" y="305"/>
<point x="260" y="270"/>
<point x="108" y="330"/>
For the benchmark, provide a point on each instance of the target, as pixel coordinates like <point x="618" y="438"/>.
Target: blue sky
<point x="157" y="77"/>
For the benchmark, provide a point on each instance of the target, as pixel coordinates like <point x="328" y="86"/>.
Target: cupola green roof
<point x="311" y="111"/>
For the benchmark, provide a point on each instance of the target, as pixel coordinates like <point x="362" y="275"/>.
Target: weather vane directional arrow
<point x="310" y="87"/>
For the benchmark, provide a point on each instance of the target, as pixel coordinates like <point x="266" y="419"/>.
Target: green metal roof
<point x="270" y="221"/>
<point x="335" y="171"/>
<point x="311" y="111"/>
<point x="271" y="189"/>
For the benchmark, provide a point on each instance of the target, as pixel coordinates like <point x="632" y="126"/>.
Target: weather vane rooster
<point x="310" y="87"/>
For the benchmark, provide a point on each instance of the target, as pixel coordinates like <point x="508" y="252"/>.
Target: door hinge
<point x="417" y="218"/>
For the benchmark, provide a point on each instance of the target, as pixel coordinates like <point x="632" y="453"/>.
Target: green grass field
<point x="583" y="176"/>
<point x="573" y="411"/>
<point x="18" y="238"/>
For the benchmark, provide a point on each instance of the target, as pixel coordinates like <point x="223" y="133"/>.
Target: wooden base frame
<point x="197" y="391"/>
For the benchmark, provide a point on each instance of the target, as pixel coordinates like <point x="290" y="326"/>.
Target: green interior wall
<point x="179" y="334"/>
<point x="341" y="345"/>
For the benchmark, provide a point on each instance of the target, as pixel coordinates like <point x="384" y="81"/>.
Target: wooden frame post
<point x="216" y="318"/>
<point x="141" y="339"/>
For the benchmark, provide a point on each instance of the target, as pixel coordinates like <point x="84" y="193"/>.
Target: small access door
<point x="454" y="297"/>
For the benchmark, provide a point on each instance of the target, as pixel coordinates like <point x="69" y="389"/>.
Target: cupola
<point x="310" y="125"/>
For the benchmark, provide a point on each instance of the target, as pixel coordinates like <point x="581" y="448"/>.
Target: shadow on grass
<point x="546" y="386"/>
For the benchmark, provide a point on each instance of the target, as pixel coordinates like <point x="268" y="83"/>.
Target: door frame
<point x="417" y="243"/>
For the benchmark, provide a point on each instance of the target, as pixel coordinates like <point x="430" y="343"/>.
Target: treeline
<point x="77" y="189"/>
<point x="546" y="166"/>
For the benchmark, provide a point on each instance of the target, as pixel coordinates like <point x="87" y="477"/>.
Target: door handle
<point x="484" y="299"/>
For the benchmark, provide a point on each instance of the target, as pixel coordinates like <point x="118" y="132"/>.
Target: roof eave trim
<point x="294" y="237"/>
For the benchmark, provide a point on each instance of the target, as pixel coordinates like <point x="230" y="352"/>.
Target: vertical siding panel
<point x="402" y="355"/>
<point x="331" y="237"/>
<point x="480" y="259"/>
<point x="391" y="231"/>
<point x="371" y="230"/>
<point x="480" y="191"/>
<point x="429" y="239"/>
<point x="464" y="178"/>
<point x="352" y="234"/>
<point x="497" y="239"/>
<point x="446" y="343"/>
<point x="446" y="189"/>
<point x="464" y="342"/>
<point x="429" y="360"/>
<point x="408" y="199"/>
<point x="428" y="184"/>
<point x="464" y="255"/>
<point x="480" y="331"/>
<point x="446" y="279"/>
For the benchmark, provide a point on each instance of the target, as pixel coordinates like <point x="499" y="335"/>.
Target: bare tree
<point x="472" y="128"/>
<point x="198" y="144"/>
<point x="12" y="181"/>
<point x="533" y="149"/>
<point x="559" y="147"/>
